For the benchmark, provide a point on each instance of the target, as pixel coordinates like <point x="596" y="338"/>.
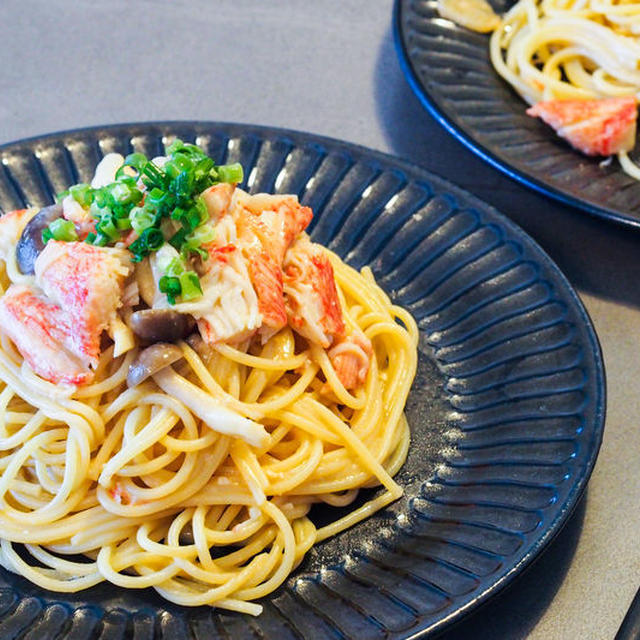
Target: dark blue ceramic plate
<point x="506" y="412"/>
<point x="449" y="69"/>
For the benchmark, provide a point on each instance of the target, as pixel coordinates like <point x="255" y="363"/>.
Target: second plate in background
<point x="449" y="69"/>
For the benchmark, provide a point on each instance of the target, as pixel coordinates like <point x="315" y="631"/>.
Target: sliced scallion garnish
<point x="60" y="229"/>
<point x="160" y="202"/>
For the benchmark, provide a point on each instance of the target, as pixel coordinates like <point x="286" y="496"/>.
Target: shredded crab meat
<point x="218" y="199"/>
<point x="87" y="283"/>
<point x="264" y="237"/>
<point x="261" y="274"/>
<point x="57" y="324"/>
<point x="476" y="15"/>
<point x="242" y="283"/>
<point x="595" y="127"/>
<point x="351" y="358"/>
<point x="43" y="334"/>
<point x="228" y="309"/>
<point x="311" y="297"/>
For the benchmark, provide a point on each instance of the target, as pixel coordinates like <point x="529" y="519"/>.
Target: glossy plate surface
<point x="506" y="412"/>
<point x="449" y="69"/>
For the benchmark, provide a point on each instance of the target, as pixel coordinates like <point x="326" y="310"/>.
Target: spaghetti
<point x="153" y="495"/>
<point x="570" y="50"/>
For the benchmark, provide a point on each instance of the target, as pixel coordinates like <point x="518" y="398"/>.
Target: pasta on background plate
<point x="575" y="61"/>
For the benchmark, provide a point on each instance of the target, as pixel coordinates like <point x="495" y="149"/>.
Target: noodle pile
<point x="152" y="497"/>
<point x="570" y="49"/>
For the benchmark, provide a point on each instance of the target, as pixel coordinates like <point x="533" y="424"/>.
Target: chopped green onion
<point x="155" y="239"/>
<point x="82" y="194"/>
<point x="230" y="173"/>
<point x="175" y="267"/>
<point x="178" y="238"/>
<point x="191" y="219"/>
<point x="97" y="211"/>
<point x="178" y="213"/>
<point x="156" y="196"/>
<point x="153" y="176"/>
<point x="124" y="193"/>
<point x="107" y="228"/>
<point x="103" y="199"/>
<point x="176" y="280"/>
<point x="136" y="161"/>
<point x="204" y="234"/>
<point x="179" y="163"/>
<point x="190" y="284"/>
<point x="182" y="185"/>
<point x="176" y="146"/>
<point x="171" y="286"/>
<point x="101" y="240"/>
<point x="202" y="169"/>
<point x="186" y="285"/>
<point x="151" y="239"/>
<point x="46" y="235"/>
<point x="157" y="202"/>
<point x="203" y="212"/>
<point x="141" y="219"/>
<point x="60" y="229"/>
<point x="119" y="191"/>
<point x="121" y="212"/>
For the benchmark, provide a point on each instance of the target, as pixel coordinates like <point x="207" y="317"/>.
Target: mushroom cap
<point x="161" y="325"/>
<point x="151" y="360"/>
<point x="30" y="243"/>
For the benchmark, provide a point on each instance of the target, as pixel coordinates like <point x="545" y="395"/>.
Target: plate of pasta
<point x="260" y="383"/>
<point x="572" y="66"/>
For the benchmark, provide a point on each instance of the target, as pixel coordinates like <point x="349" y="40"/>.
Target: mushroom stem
<point x="207" y="408"/>
<point x="150" y="360"/>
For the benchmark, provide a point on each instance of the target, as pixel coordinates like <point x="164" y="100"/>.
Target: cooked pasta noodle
<point x="570" y="49"/>
<point x="152" y="497"/>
